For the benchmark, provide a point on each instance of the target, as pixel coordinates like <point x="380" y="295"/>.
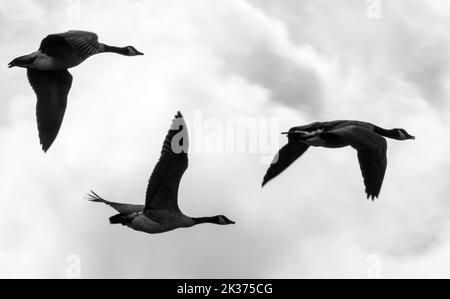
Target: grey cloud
<point x="414" y="244"/>
<point x="262" y="54"/>
<point x="398" y="44"/>
<point x="295" y="86"/>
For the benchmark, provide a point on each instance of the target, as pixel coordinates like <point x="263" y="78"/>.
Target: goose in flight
<point x="367" y="139"/>
<point x="48" y="74"/>
<point x="161" y="212"/>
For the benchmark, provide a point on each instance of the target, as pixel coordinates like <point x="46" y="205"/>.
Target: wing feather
<point x="52" y="89"/>
<point x="285" y="157"/>
<point x="84" y="44"/>
<point x="162" y="190"/>
<point x="371" y="149"/>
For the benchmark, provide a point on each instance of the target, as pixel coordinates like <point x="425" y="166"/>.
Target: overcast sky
<point x="286" y="63"/>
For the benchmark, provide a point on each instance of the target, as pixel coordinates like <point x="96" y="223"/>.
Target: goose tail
<point x="94" y="197"/>
<point x="120" y="219"/>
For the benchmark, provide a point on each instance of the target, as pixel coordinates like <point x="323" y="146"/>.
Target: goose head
<point x="24" y="61"/>
<point x="403" y="135"/>
<point x="132" y="51"/>
<point x="222" y="220"/>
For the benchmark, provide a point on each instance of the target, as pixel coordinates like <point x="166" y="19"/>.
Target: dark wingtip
<point x="46" y="143"/>
<point x="10" y="65"/>
<point x="179" y="115"/>
<point x="45" y="148"/>
<point x="372" y="197"/>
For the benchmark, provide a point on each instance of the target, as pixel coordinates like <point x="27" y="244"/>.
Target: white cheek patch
<point x="402" y="135"/>
<point x="222" y="220"/>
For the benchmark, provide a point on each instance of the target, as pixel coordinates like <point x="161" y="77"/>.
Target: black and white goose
<point x="366" y="138"/>
<point x="48" y="75"/>
<point x="161" y="212"/>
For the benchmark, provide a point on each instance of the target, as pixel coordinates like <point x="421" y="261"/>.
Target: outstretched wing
<point x="372" y="158"/>
<point x="285" y="157"/>
<point x="162" y="190"/>
<point x="84" y="44"/>
<point x="52" y="89"/>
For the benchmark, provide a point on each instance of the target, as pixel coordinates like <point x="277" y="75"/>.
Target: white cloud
<point x="296" y="61"/>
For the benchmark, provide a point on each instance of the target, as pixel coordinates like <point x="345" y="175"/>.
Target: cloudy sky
<point x="281" y="63"/>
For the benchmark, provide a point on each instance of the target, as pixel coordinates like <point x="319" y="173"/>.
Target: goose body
<point x="170" y="221"/>
<point x="50" y="79"/>
<point x="366" y="138"/>
<point x="161" y="212"/>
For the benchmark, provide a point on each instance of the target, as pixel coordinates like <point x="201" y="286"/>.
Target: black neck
<point x="393" y="134"/>
<point x="118" y="50"/>
<point x="202" y="220"/>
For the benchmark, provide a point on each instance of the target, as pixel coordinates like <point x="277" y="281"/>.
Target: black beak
<point x="139" y="53"/>
<point x="10" y="65"/>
